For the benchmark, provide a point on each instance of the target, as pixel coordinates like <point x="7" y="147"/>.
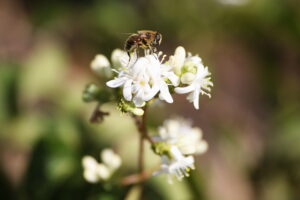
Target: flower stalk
<point x="141" y="123"/>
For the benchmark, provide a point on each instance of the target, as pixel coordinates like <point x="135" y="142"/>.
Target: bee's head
<point x="157" y="39"/>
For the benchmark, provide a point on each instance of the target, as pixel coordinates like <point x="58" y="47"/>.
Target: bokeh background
<point x="252" y="121"/>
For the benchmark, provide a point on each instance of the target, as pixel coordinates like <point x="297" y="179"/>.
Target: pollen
<point x="142" y="82"/>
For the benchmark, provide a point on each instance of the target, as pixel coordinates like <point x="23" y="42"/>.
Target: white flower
<point x="101" y="66"/>
<point x="178" y="165"/>
<point x="111" y="159"/>
<point x="180" y="133"/>
<point x="196" y="78"/>
<point x="95" y="172"/>
<point x="176" y="143"/>
<point x="143" y="79"/>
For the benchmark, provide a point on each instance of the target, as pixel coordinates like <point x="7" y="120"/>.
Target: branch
<point x="136" y="178"/>
<point x="98" y="115"/>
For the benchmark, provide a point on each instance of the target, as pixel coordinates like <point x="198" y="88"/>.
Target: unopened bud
<point x="138" y="111"/>
<point x="177" y="60"/>
<point x="187" y="78"/>
<point x="93" y="93"/>
<point x="129" y="107"/>
<point x="101" y="66"/>
<point x="189" y="67"/>
<point x="161" y="148"/>
<point x="116" y="58"/>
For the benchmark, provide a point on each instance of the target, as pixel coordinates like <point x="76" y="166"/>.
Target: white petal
<point x="127" y="90"/>
<point x="163" y="169"/>
<point x="191" y="97"/>
<point x="173" y="78"/>
<point x="164" y="93"/>
<point x="138" y="102"/>
<point x="153" y="91"/>
<point x="183" y="90"/>
<point x="116" y="82"/>
<point x="196" y="99"/>
<point x="138" y="99"/>
<point x="176" y="153"/>
<point x="124" y="61"/>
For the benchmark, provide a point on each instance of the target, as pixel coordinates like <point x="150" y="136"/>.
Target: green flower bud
<point x="162" y="148"/>
<point x="189" y="67"/>
<point x="129" y="107"/>
<point x="94" y="93"/>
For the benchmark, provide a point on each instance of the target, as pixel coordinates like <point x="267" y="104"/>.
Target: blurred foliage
<point x="252" y="122"/>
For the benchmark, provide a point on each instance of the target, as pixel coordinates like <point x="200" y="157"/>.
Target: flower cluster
<point x="135" y="82"/>
<point x="176" y="143"/>
<point x="95" y="172"/>
<point x="149" y="77"/>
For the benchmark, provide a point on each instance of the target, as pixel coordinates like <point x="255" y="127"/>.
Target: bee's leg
<point x="151" y="50"/>
<point x="129" y="58"/>
<point x="137" y="53"/>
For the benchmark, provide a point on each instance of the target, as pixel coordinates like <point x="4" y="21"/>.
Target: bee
<point x="144" y="39"/>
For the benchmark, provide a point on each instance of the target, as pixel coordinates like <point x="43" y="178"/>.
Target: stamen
<point x="163" y="58"/>
<point x="114" y="70"/>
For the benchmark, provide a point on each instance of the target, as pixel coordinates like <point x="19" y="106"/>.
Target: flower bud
<point x="177" y="60"/>
<point x="189" y="67"/>
<point x="93" y="93"/>
<point x="161" y="148"/>
<point x="126" y="107"/>
<point x="202" y="147"/>
<point x="187" y="78"/>
<point x="111" y="159"/>
<point x="90" y="167"/>
<point x="138" y="111"/>
<point x="116" y="58"/>
<point x="101" y="66"/>
<point x="103" y="171"/>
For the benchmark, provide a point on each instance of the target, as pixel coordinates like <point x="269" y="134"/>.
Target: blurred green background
<point x="252" y="122"/>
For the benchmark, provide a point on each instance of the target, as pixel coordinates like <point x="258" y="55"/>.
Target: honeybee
<point x="144" y="39"/>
